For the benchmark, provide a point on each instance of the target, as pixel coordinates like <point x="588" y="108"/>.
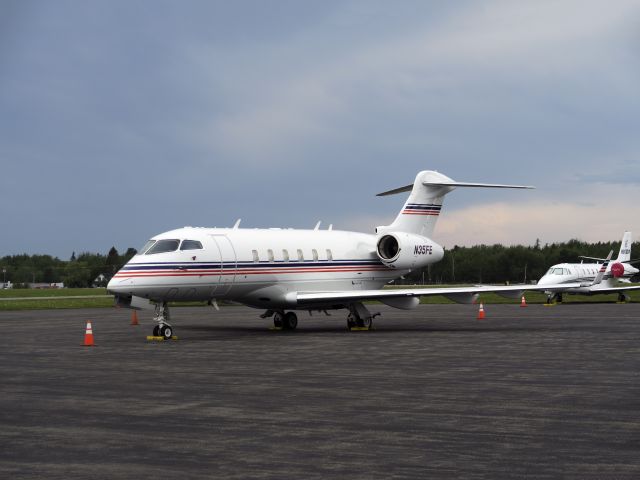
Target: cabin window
<point x="191" y="245"/>
<point x="329" y="254"/>
<point x="146" y="247"/>
<point x="164" y="246"/>
<point x="300" y="256"/>
<point x="285" y="255"/>
<point x="270" y="255"/>
<point x="314" y="254"/>
<point x="256" y="257"/>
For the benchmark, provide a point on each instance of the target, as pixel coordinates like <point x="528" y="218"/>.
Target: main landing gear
<point x="282" y="320"/>
<point x="161" y="315"/>
<point x="554" y="298"/>
<point x="360" y="318"/>
<point x="623" y="298"/>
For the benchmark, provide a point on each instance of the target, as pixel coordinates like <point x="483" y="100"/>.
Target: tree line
<point x="79" y="271"/>
<point x="477" y="264"/>
<point x="513" y="264"/>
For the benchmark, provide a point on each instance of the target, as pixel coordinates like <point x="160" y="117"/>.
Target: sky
<point x="123" y="119"/>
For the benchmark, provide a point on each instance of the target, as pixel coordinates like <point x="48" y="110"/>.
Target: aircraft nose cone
<point x="543" y="281"/>
<point x="111" y="286"/>
<point x="117" y="285"/>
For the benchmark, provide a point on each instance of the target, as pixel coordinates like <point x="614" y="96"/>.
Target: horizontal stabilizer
<point x="474" y="185"/>
<point x="592" y="258"/>
<point x="630" y="262"/>
<point x="408" y="188"/>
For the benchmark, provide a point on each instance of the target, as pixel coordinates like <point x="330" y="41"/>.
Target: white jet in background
<point x="616" y="275"/>
<point x="284" y="270"/>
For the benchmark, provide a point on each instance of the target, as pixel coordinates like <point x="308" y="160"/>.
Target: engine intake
<point x="388" y="247"/>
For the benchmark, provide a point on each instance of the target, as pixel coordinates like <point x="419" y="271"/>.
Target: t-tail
<point x="625" y="248"/>
<point x="624" y="256"/>
<point x="421" y="210"/>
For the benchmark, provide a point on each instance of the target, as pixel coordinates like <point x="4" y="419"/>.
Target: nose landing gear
<point x="163" y="329"/>
<point x="554" y="298"/>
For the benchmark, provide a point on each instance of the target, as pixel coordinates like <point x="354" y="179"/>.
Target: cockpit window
<point x="163" y="246"/>
<point x="556" y="271"/>
<point x="191" y="245"/>
<point x="146" y="247"/>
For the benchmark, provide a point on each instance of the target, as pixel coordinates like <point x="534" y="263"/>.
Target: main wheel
<point x="278" y="320"/>
<point x="156" y="331"/>
<point x="166" y="331"/>
<point x="366" y="322"/>
<point x="290" y="321"/>
<point x="351" y="321"/>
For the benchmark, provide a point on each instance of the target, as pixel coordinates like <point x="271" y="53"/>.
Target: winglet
<point x="603" y="270"/>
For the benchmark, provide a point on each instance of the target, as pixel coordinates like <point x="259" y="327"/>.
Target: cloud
<point x="513" y="224"/>
<point x="283" y="112"/>
<point x="484" y="62"/>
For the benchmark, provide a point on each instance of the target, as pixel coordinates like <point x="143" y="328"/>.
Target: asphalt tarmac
<point x="536" y="392"/>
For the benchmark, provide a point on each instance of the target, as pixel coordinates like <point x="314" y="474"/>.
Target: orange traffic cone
<point x="134" y="318"/>
<point x="523" y="303"/>
<point x="481" y="312"/>
<point x="88" y="336"/>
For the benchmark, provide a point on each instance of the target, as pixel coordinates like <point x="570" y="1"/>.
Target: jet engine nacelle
<point x="617" y="270"/>
<point x="407" y="251"/>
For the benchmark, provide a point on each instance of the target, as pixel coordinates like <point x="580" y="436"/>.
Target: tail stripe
<point x="422" y="209"/>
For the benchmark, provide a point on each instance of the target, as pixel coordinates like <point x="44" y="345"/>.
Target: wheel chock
<point x="361" y="329"/>
<point x="160" y="339"/>
<point x="553" y="304"/>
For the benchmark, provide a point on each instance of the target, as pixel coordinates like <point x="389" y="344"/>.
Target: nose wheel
<point x="163" y="329"/>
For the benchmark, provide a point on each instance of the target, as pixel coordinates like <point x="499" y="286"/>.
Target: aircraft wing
<point x="459" y="294"/>
<point x="614" y="289"/>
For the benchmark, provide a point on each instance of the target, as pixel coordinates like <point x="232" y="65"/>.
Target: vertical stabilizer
<point x="421" y="210"/>
<point x="625" y="248"/>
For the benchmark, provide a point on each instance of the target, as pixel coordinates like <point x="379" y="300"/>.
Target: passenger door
<point x="228" y="262"/>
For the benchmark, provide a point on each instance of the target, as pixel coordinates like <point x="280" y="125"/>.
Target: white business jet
<point x="616" y="274"/>
<point x="284" y="270"/>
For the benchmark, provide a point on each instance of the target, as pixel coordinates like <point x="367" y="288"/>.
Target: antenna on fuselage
<point x="237" y="224"/>
<point x="330" y="226"/>
<point x="317" y="227"/>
